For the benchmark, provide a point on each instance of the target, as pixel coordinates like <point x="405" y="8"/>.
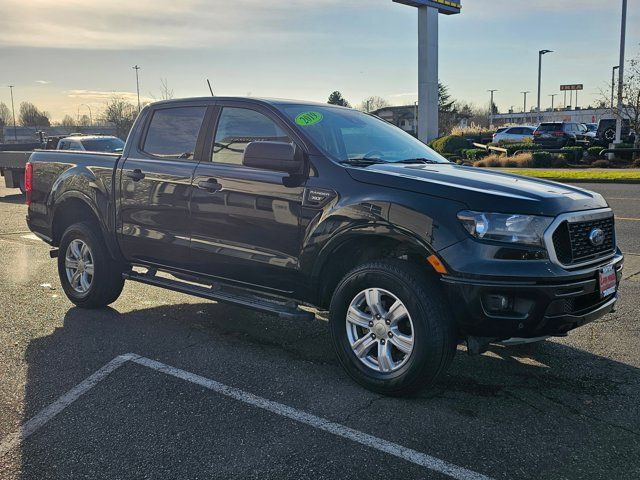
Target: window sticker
<point x="308" y="118"/>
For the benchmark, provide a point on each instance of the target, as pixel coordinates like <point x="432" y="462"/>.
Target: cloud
<point x="43" y="82"/>
<point x="123" y="24"/>
<point x="102" y="96"/>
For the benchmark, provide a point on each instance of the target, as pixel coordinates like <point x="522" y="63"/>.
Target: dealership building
<point x="573" y="115"/>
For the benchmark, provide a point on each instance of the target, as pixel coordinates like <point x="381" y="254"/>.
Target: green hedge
<point x="449" y="144"/>
<point x="542" y="159"/>
<point x="594" y="152"/>
<point x="514" y="147"/>
<point x="572" y="154"/>
<point x="474" y="153"/>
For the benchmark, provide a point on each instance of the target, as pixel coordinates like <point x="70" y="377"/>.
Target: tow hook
<point x="53" y="253"/>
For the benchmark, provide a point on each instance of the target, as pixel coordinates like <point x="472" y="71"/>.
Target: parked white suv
<point x="91" y="143"/>
<point x="514" y="134"/>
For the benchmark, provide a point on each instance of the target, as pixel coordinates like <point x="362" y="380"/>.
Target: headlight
<point x="506" y="228"/>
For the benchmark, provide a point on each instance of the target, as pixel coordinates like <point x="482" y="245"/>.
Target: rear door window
<point x="173" y="132"/>
<point x="550" y="127"/>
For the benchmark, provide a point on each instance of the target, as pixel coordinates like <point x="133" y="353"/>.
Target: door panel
<point x="247" y="228"/>
<point x="154" y="211"/>
<point x="155" y="187"/>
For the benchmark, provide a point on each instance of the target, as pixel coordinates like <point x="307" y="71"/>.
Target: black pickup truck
<point x="274" y="205"/>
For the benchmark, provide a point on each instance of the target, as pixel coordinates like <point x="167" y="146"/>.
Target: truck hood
<point x="481" y="189"/>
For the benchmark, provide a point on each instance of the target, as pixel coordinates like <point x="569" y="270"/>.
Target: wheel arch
<point x="74" y="207"/>
<point x="360" y="245"/>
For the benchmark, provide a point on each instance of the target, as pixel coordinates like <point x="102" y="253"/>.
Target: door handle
<point x="135" y="175"/>
<point x="210" y="185"/>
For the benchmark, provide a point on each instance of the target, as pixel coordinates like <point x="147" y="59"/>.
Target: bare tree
<point x="31" y="116"/>
<point x="166" y="93"/>
<point x="68" y="121"/>
<point x="5" y="115"/>
<point x="630" y="98"/>
<point x="372" y="104"/>
<point x="120" y="113"/>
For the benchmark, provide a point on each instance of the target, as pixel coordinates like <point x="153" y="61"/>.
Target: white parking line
<point x="422" y="459"/>
<point x="36" y="423"/>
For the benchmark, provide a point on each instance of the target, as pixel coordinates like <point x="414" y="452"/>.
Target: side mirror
<point x="276" y="156"/>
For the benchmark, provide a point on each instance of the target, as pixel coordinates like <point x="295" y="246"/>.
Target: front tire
<point x="390" y="327"/>
<point x="89" y="276"/>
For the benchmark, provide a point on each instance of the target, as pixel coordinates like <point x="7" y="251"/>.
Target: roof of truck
<point x="269" y="101"/>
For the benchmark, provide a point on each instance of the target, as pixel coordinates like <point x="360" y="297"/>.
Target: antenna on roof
<point x="210" y="89"/>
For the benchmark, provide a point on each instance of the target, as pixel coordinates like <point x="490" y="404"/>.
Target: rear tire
<point x="427" y="323"/>
<point x="89" y="276"/>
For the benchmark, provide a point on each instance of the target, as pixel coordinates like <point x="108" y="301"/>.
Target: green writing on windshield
<point x="308" y="118"/>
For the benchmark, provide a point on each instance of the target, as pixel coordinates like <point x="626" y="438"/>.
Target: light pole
<point x="415" y="118"/>
<point x="613" y="82"/>
<point x="524" y="108"/>
<point x="540" y="54"/>
<point x="13" y="112"/>
<point x="136" y="68"/>
<point x="623" y="32"/>
<point x="90" y="116"/>
<point x="491" y="107"/>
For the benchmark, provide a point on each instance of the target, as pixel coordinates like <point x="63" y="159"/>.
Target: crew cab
<point x="274" y="205"/>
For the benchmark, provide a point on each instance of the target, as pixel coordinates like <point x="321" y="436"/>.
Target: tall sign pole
<point x="623" y="32"/>
<point x="428" y="11"/>
<point x="427" y="73"/>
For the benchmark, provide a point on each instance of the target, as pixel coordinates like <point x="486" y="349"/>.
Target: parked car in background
<point x="606" y="132"/>
<point x="590" y="134"/>
<point x="513" y="134"/>
<point x="560" y="134"/>
<point x="91" y="143"/>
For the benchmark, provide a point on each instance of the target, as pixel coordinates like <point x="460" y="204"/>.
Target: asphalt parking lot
<point x="214" y="391"/>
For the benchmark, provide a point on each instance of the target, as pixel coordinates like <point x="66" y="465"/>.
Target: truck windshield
<point x="103" y="145"/>
<point x="349" y="135"/>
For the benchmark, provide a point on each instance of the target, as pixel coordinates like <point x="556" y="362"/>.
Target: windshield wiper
<point x="364" y="161"/>
<point x="417" y="160"/>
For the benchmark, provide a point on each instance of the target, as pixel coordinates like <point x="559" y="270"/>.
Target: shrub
<point x="559" y="161"/>
<point x="514" y="147"/>
<point x="474" y="153"/>
<point x="519" y="161"/>
<point x="601" y="164"/>
<point x="471" y="130"/>
<point x="542" y="159"/>
<point x="636" y="163"/>
<point x="573" y="154"/>
<point x="449" y="144"/>
<point x="594" y="152"/>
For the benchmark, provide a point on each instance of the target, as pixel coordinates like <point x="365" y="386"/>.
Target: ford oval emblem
<point x="596" y="237"/>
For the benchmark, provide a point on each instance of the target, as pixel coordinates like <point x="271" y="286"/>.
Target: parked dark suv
<point x="274" y="204"/>
<point x="606" y="132"/>
<point x="560" y="134"/>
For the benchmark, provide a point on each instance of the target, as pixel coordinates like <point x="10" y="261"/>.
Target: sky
<point x="63" y="55"/>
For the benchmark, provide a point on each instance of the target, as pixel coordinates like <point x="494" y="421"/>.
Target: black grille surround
<point x="571" y="240"/>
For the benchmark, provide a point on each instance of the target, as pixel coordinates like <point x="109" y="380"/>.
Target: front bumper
<point x="539" y="306"/>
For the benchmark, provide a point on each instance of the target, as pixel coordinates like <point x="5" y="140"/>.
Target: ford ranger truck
<point x="273" y="205"/>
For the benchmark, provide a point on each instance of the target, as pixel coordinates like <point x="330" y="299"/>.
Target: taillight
<point x="28" y="181"/>
<point x="537" y="134"/>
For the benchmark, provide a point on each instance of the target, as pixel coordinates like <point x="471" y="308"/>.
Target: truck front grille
<point x="572" y="245"/>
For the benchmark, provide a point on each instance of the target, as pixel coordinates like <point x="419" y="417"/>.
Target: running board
<point x="226" y="294"/>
